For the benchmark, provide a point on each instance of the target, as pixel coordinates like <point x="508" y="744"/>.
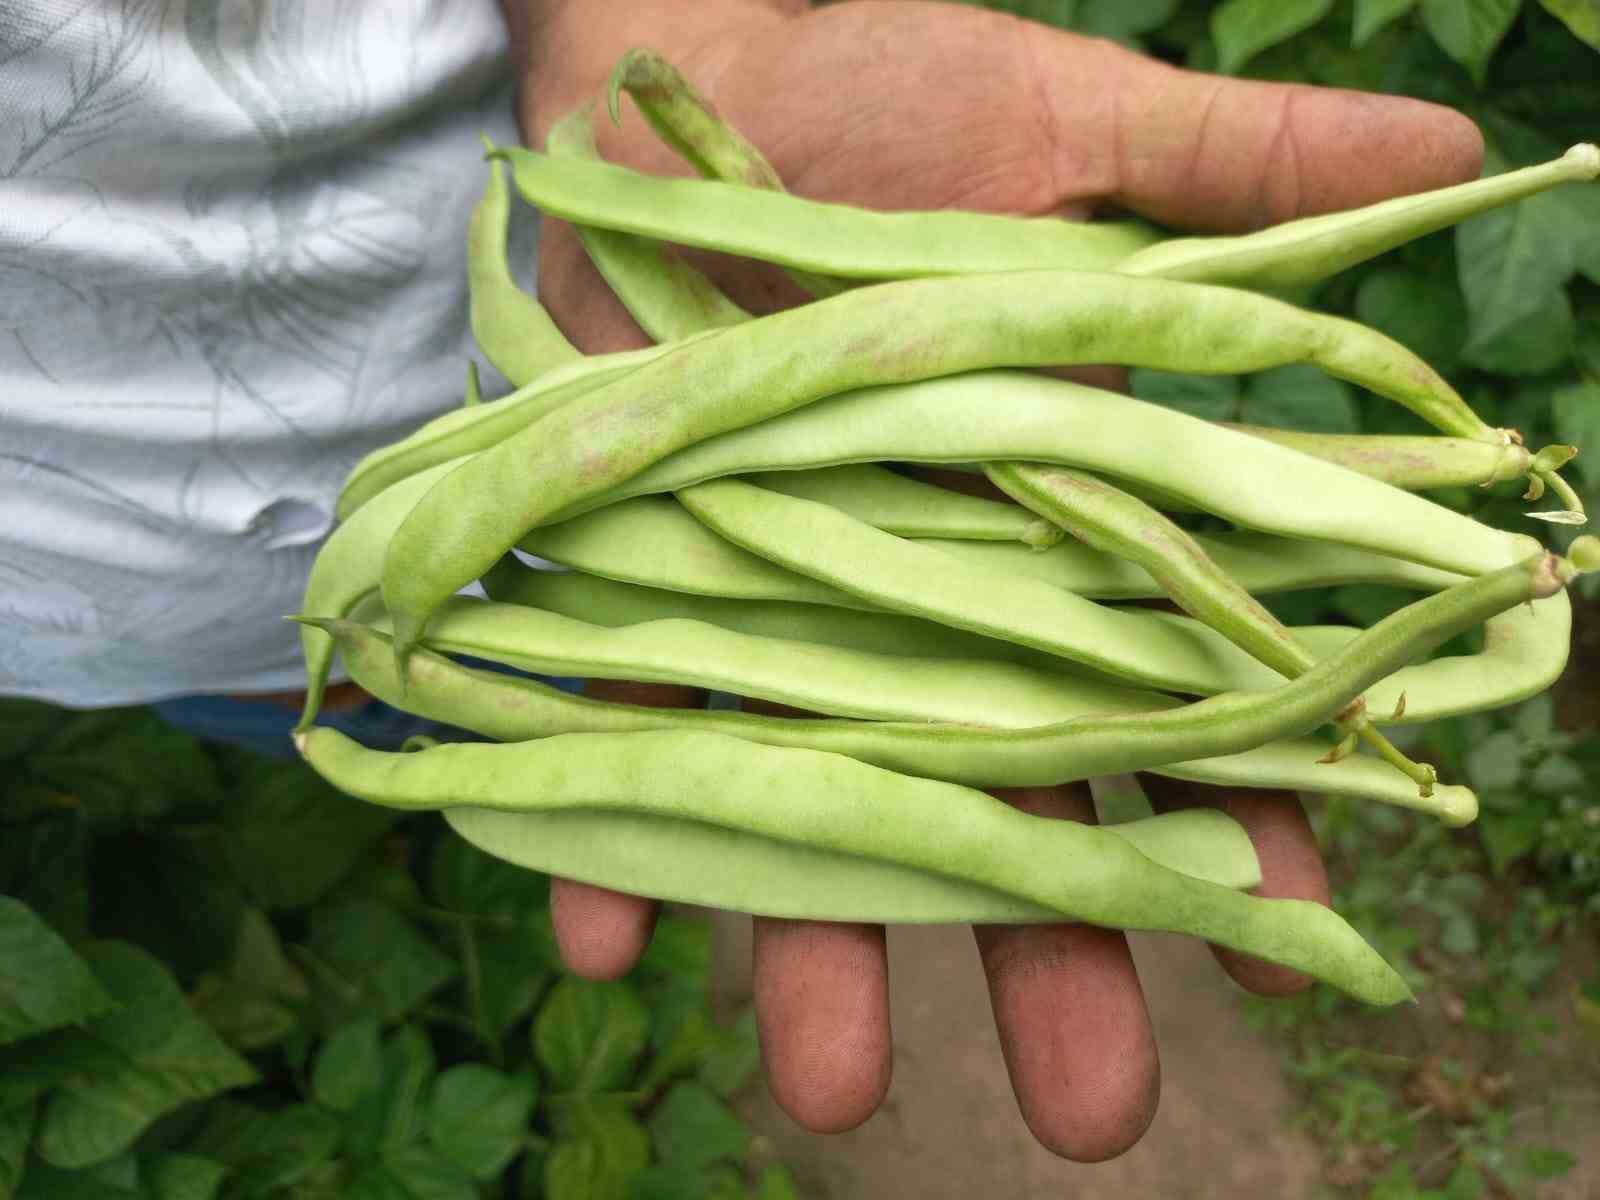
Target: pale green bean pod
<point x="749" y="373"/>
<point x="840" y="806"/>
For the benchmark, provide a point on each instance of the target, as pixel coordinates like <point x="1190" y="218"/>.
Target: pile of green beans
<point x="741" y="508"/>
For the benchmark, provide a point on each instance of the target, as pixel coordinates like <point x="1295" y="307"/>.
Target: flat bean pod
<point x="840" y="806"/>
<point x="347" y="569"/>
<point x="511" y="327"/>
<point x="999" y="416"/>
<point x="821" y="678"/>
<point x="476" y="427"/>
<point x="811" y="236"/>
<point x="668" y="298"/>
<point x="904" y="576"/>
<point x="909" y="507"/>
<point x="1110" y="519"/>
<point x="651" y="540"/>
<point x="513" y="709"/>
<point x="1412" y="463"/>
<point x="605" y="602"/>
<point x="1313" y="248"/>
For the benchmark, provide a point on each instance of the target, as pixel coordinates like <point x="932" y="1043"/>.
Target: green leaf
<point x="365" y="959"/>
<point x="389" y="1116"/>
<point x="674" y="1181"/>
<point x="1495" y="764"/>
<point x="1210" y="397"/>
<point x="126" y="767"/>
<point x="184" y="1177"/>
<point x="269" y="1152"/>
<point x="162" y="894"/>
<point x="736" y="1058"/>
<point x="135" y="1064"/>
<point x="1540" y="341"/>
<point x="348" y="1067"/>
<point x="1060" y="13"/>
<point x="253" y="1005"/>
<point x="613" y="1150"/>
<point x="1244" y="28"/>
<point x="692" y="1128"/>
<point x="1123" y="20"/>
<point x="1547" y="1162"/>
<point x="1557" y="775"/>
<point x="777" y="1183"/>
<point x="1580" y="16"/>
<point x="1373" y="15"/>
<point x="412" y="1173"/>
<point x="288" y="836"/>
<point x="45" y="865"/>
<point x="45" y="1182"/>
<point x="1509" y="836"/>
<point x="16" y="1131"/>
<point x="1575" y="412"/>
<point x="26" y="724"/>
<point x="478" y="1117"/>
<point x="1426" y="317"/>
<point x="1469" y="30"/>
<point x="588" y="1037"/>
<point x="43" y="984"/>
<point x="1300" y="397"/>
<point x="506" y="950"/>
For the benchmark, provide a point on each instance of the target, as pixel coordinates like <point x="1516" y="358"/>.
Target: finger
<point x="822" y="1008"/>
<point x="1291" y="865"/>
<point x="822" y="1016"/>
<point x="602" y="933"/>
<point x="1207" y="152"/>
<point x="1072" y="1019"/>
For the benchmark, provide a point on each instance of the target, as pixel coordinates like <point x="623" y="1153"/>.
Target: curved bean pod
<point x="476" y="427"/>
<point x="1311" y="249"/>
<point x="512" y="709"/>
<point x="818" y="677"/>
<point x="683" y="120"/>
<point x="811" y="236"/>
<point x="1412" y="463"/>
<point x="998" y="416"/>
<point x="605" y="602"/>
<point x="347" y="569"/>
<point x="749" y="373"/>
<point x="1110" y="519"/>
<point x="822" y="543"/>
<point x="835" y="804"/>
<point x="511" y="327"/>
<point x="911" y="508"/>
<point x="668" y="298"/>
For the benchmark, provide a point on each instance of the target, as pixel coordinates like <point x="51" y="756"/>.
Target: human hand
<point x="906" y="105"/>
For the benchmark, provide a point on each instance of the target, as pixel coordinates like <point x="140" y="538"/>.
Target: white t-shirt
<point x="231" y="263"/>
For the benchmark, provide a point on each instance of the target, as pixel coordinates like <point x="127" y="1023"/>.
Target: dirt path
<point x="950" y="1127"/>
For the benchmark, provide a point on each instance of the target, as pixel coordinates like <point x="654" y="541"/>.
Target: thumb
<point x="1207" y="152"/>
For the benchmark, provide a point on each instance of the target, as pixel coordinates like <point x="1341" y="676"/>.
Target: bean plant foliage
<point x="1494" y="923"/>
<point x="222" y="980"/>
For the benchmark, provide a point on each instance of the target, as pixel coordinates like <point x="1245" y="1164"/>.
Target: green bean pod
<point x="911" y="508"/>
<point x="815" y="676"/>
<point x="1311" y="249"/>
<point x="511" y="327"/>
<point x="995" y="416"/>
<point x="687" y="123"/>
<point x="837" y="805"/>
<point x="476" y="427"/>
<point x="736" y="377"/>
<point x="807" y="235"/>
<point x="667" y="297"/>
<point x="1412" y="463"/>
<point x="513" y="709"/>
